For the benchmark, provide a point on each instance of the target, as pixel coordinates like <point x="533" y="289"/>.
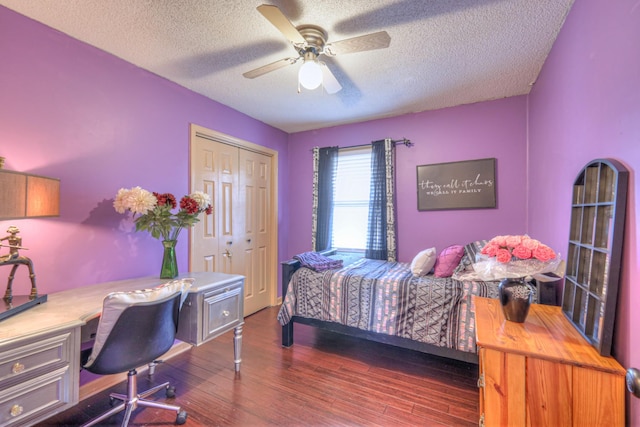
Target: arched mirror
<point x="595" y="250"/>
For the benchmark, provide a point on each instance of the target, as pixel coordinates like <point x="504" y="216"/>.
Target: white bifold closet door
<point x="236" y="237"/>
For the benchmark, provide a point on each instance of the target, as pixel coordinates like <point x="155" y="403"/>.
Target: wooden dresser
<point x="543" y="372"/>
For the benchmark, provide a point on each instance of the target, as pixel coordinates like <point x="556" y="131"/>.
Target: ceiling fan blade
<point x="269" y="67"/>
<point x="379" y="40"/>
<point x="281" y="22"/>
<point x="329" y="81"/>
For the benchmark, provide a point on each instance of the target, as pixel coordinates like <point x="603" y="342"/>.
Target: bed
<point x="383" y="301"/>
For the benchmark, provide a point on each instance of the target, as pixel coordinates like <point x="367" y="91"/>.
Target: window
<point x="351" y="198"/>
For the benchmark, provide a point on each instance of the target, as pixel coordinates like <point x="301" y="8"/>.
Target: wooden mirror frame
<point x="594" y="257"/>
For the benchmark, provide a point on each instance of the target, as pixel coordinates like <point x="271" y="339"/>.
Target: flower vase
<point x="169" y="262"/>
<point x="516" y="296"/>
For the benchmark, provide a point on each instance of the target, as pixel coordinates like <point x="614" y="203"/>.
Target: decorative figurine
<point x="14" y="258"/>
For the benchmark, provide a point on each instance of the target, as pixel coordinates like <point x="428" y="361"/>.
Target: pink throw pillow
<point x="448" y="260"/>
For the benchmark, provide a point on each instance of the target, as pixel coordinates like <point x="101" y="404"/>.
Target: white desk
<point x="40" y="347"/>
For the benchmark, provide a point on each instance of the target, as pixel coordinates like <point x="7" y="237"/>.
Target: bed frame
<point x="290" y="266"/>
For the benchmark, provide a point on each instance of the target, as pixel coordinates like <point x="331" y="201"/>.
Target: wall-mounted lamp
<point x="23" y="195"/>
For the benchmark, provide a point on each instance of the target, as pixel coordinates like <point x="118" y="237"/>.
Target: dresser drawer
<point x="28" y="358"/>
<point x="222" y="311"/>
<point x="36" y="399"/>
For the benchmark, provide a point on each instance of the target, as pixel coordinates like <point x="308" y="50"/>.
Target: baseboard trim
<point x="108" y="381"/>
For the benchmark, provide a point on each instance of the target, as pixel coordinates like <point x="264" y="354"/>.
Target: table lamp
<point x="23" y="195"/>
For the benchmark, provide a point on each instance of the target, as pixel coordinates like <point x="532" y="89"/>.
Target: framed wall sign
<point x="469" y="184"/>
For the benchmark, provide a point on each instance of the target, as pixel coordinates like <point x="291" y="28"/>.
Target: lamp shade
<point x="28" y="196"/>
<point x="310" y="74"/>
<point x="43" y="196"/>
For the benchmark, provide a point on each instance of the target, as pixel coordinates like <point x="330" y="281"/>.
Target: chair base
<point x="133" y="399"/>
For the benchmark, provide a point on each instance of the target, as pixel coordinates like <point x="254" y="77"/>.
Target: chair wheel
<point x="171" y="391"/>
<point x="181" y="418"/>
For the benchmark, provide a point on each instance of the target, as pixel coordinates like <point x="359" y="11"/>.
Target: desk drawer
<point x="25" y="403"/>
<point x="28" y="358"/>
<point x="222" y="311"/>
<point x="211" y="310"/>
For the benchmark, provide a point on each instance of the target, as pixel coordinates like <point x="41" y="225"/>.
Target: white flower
<point x="202" y="199"/>
<point x="137" y="200"/>
<point x="120" y="203"/>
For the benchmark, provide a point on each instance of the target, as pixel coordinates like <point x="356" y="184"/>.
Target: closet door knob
<point x="633" y="381"/>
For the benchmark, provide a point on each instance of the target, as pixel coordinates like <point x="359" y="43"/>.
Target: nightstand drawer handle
<point x="225" y="313"/>
<point x="16" y="410"/>
<point x="17" y="368"/>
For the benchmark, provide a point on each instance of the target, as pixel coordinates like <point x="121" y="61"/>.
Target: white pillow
<point x="424" y="262"/>
<point x="116" y="302"/>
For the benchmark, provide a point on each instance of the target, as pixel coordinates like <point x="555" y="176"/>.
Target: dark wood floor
<point x="323" y="380"/>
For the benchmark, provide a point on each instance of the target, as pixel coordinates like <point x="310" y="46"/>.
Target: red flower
<point x="166" y="199"/>
<point x="189" y="205"/>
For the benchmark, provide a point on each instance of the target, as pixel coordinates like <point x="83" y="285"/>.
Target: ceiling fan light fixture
<point x="309" y="41"/>
<point x="310" y="74"/>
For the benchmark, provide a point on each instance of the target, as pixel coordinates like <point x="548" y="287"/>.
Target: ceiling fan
<point x="309" y="41"/>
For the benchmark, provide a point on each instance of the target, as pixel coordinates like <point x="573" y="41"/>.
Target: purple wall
<point x="489" y="129"/>
<point x="585" y="106"/>
<point x="71" y="111"/>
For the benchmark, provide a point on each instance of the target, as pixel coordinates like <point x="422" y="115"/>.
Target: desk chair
<point x="135" y="329"/>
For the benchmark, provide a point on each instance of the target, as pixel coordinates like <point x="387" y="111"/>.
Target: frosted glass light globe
<point x="310" y="75"/>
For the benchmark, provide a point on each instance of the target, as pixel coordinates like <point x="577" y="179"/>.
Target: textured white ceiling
<point x="442" y="53"/>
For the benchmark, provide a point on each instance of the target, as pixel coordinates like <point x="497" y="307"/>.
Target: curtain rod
<point x="404" y="141"/>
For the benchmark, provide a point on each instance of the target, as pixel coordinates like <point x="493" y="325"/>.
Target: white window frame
<point x="345" y="153"/>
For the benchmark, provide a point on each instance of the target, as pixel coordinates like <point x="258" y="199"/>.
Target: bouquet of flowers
<point x="154" y="210"/>
<point x="513" y="257"/>
<point x="513" y="248"/>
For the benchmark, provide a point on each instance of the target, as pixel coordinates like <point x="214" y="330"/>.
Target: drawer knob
<point x="17" y="368"/>
<point x="225" y="313"/>
<point x="16" y="410"/>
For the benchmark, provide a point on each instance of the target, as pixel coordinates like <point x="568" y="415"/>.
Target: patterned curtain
<point x="381" y="235"/>
<point x="325" y="166"/>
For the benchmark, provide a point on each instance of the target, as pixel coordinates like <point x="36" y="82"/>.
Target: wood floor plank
<point x="324" y="379"/>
